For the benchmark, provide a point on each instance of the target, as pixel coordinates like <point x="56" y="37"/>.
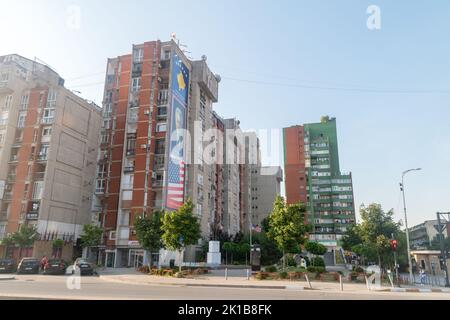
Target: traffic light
<point x="394" y="244"/>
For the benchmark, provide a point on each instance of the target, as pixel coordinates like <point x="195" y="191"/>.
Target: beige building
<point x="265" y="189"/>
<point x="49" y="139"/>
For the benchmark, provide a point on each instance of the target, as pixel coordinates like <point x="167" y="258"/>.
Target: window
<point x="38" y="188"/>
<point x="21" y="121"/>
<point x="51" y="99"/>
<point x="47" y="132"/>
<point x="108" y="110"/>
<point x="25" y="101"/>
<point x="106" y="124"/>
<point x="8" y="102"/>
<point x="131" y="143"/>
<point x="136" y="84"/>
<point x="138" y="55"/>
<point x="44" y="152"/>
<point x="105" y="138"/>
<point x="166" y="55"/>
<point x="162" y="127"/>
<point x="100" y="186"/>
<point x="49" y="115"/>
<point x="128" y="181"/>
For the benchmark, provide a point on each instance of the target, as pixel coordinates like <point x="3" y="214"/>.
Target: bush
<point x="315" y="269"/>
<point x="318" y="262"/>
<point x="358" y="269"/>
<point x="262" y="275"/>
<point x="271" y="269"/>
<point x="283" y="275"/>
<point x="290" y="261"/>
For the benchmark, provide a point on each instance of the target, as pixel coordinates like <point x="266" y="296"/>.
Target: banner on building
<point x="177" y="126"/>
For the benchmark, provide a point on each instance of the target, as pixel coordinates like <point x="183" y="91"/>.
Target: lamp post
<point x="402" y="188"/>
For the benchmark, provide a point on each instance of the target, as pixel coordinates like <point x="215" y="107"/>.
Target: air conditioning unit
<point x="147" y="112"/>
<point x="143" y="146"/>
<point x="159" y="79"/>
<point x="154" y="176"/>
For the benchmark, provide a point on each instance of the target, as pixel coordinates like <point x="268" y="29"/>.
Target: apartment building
<point x="151" y="96"/>
<point x="313" y="177"/>
<point x="49" y="139"/>
<point x="266" y="187"/>
<point x="422" y="235"/>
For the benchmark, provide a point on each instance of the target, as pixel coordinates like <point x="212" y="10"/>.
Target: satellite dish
<point x="204" y="57"/>
<point x="173" y="35"/>
<point x="218" y="78"/>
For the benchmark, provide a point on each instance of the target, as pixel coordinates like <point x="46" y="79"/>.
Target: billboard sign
<point x="177" y="126"/>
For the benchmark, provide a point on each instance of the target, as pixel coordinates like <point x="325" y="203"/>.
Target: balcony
<point x="42" y="157"/>
<point x="47" y="120"/>
<point x="14" y="158"/>
<point x="32" y="216"/>
<point x="131" y="153"/>
<point x="7" y="196"/>
<point x="11" y="178"/>
<point x="129" y="169"/>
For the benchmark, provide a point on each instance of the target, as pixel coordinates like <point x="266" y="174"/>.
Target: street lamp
<point x="402" y="188"/>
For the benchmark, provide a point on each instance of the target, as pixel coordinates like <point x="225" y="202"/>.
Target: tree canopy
<point x="91" y="236"/>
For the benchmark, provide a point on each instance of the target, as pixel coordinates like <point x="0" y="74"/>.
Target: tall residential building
<point x="313" y="177"/>
<point x="49" y="139"/>
<point x="145" y="162"/>
<point x="266" y="187"/>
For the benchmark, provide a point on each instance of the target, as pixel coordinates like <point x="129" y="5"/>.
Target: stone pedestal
<point x="214" y="256"/>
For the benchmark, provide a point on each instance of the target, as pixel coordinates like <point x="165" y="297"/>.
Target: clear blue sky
<point x="271" y="43"/>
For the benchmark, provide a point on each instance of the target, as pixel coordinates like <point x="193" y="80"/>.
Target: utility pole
<point x="402" y="188"/>
<point x="444" y="254"/>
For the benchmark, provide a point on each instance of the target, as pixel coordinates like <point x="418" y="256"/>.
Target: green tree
<point x="149" y="233"/>
<point x="25" y="237"/>
<point x="287" y="226"/>
<point x="315" y="248"/>
<point x="180" y="228"/>
<point x="91" y="237"/>
<point x="8" y="241"/>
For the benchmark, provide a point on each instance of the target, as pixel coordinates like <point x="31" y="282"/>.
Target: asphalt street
<point x="94" y="288"/>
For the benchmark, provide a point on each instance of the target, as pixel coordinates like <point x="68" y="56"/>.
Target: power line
<point x="331" y="88"/>
<point x="86" y="76"/>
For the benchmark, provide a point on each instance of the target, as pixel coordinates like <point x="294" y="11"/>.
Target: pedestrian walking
<point x="423" y="276"/>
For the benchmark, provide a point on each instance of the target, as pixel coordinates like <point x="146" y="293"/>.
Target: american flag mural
<point x="175" y="186"/>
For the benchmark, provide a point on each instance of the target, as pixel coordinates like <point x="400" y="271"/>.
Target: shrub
<point x="271" y="269"/>
<point x="318" y="262"/>
<point x="315" y="269"/>
<point x="290" y="261"/>
<point x="283" y="275"/>
<point x="359" y="270"/>
<point x="262" y="275"/>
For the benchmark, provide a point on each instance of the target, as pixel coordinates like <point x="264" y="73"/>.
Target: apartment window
<point x="38" y="189"/>
<point x="166" y="55"/>
<point x="162" y="127"/>
<point x="21" y="121"/>
<point x="105" y="138"/>
<point x="136" y="84"/>
<point x="107" y="111"/>
<point x="49" y="115"/>
<point x="43" y="153"/>
<point x="128" y="181"/>
<point x="2" y="135"/>
<point x="47" y="132"/>
<point x="138" y="55"/>
<point x="8" y="102"/>
<point x="4" y="118"/>
<point x="100" y="186"/>
<point x="102" y="171"/>
<point x="163" y="94"/>
<point x="25" y="101"/>
<point x="106" y="124"/>
<point x="131" y="143"/>
<point x="51" y="99"/>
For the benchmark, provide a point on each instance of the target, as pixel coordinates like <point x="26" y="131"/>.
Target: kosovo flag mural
<point x="180" y="80"/>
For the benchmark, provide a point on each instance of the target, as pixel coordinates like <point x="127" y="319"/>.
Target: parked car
<point x="55" y="266"/>
<point x="29" y="265"/>
<point x="8" y="266"/>
<point x="85" y="267"/>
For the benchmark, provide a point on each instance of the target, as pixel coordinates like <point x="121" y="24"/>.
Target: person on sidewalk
<point x="423" y="276"/>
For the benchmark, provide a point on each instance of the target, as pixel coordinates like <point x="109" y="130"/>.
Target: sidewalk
<point x="133" y="277"/>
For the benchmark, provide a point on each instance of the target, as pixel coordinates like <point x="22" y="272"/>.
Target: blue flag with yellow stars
<point x="180" y="80"/>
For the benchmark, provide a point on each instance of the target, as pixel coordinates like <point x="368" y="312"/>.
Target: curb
<point x="7" y="278"/>
<point x="414" y="290"/>
<point x="212" y="285"/>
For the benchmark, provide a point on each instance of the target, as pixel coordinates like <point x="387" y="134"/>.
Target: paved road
<point x="54" y="287"/>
